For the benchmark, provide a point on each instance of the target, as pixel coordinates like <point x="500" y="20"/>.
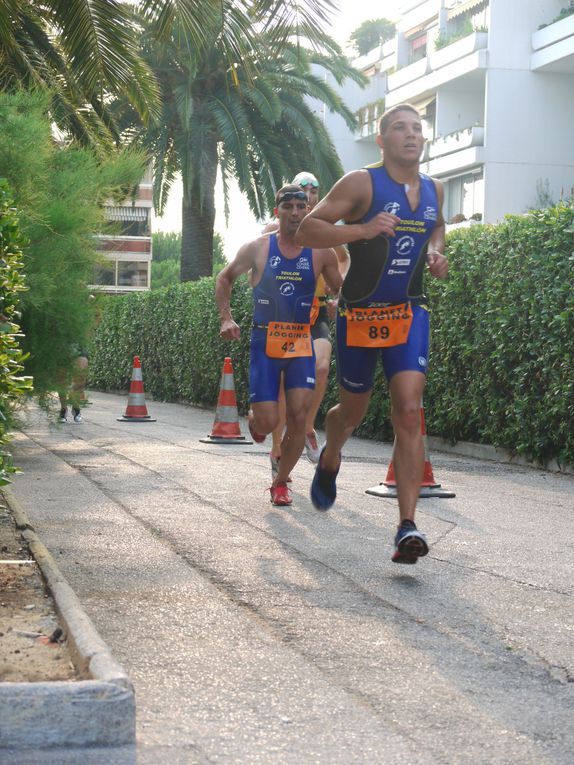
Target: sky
<point x="242" y="226"/>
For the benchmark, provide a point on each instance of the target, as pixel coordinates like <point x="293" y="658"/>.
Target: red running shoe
<point x="257" y="437"/>
<point x="280" y="495"/>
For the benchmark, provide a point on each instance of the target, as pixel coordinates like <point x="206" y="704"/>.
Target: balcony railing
<point x="553" y="46"/>
<point x="458" y="49"/>
<point x="408" y="74"/>
<point x="461" y="139"/>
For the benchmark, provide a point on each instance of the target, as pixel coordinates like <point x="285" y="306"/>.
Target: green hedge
<point x="13" y="386"/>
<point x="175" y="332"/>
<point x="503" y="339"/>
<point x="502" y="345"/>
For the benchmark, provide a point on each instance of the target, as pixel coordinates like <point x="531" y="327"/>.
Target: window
<point x="464" y="196"/>
<point x="132" y="273"/>
<point x="417" y="48"/>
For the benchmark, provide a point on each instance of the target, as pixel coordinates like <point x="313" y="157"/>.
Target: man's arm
<point x="330" y="271"/>
<point x="244" y="260"/>
<point x="349" y="199"/>
<point x="343" y="259"/>
<point x="437" y="262"/>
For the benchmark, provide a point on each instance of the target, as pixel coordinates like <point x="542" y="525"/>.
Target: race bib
<point x="288" y="341"/>
<point x="379" y="327"/>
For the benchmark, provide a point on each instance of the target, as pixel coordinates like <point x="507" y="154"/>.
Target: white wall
<point x="512" y="23"/>
<point x="458" y="109"/>
<point x="352" y="153"/>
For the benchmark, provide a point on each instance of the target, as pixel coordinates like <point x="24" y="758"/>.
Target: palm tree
<point x="87" y="50"/>
<point x="83" y="51"/>
<point x="249" y="117"/>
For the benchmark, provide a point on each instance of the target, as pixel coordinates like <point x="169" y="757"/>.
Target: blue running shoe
<point x="324" y="486"/>
<point x="410" y="544"/>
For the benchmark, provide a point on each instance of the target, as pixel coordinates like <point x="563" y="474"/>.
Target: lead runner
<point x="283" y="277"/>
<point x="393" y="226"/>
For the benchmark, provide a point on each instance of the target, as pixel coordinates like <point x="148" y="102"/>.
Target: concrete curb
<point x="494" y="454"/>
<point x="98" y="711"/>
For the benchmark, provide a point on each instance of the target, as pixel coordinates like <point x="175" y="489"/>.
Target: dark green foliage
<point x="166" y="263"/>
<point x="175" y="332"/>
<point x="370" y="34"/>
<point x="503" y="337"/>
<point x="59" y="192"/>
<point x="502" y="343"/>
<point x="13" y="386"/>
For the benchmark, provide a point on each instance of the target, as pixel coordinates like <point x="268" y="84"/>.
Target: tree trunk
<point x="198" y="218"/>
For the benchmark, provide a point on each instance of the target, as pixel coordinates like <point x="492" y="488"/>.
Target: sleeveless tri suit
<point x="387" y="271"/>
<point x="283" y="294"/>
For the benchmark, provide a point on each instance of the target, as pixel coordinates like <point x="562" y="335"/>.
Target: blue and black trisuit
<point x="284" y="293"/>
<point x="388" y="271"/>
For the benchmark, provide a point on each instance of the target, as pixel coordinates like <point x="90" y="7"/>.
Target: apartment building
<point x="494" y="82"/>
<point x="127" y="252"/>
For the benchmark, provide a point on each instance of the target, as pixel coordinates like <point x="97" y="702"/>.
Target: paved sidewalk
<point x="255" y="634"/>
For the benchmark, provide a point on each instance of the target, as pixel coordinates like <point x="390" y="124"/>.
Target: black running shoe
<point x="324" y="486"/>
<point x="410" y="544"/>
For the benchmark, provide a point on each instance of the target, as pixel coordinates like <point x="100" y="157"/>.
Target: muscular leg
<point x="265" y="416"/>
<point x="277" y="434"/>
<point x="298" y="403"/>
<point x="406" y="394"/>
<point x="341" y="421"/>
<point x="322" y="363"/>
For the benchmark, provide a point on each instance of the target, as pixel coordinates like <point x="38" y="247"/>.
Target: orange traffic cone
<point x="136" y="410"/>
<point x="429" y="487"/>
<point x="226" y="424"/>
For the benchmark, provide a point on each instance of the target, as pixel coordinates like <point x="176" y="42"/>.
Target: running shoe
<point x="280" y="495"/>
<point x="312" y="447"/>
<point x="324" y="486"/>
<point x="410" y="544"/>
<point x="62" y="416"/>
<point x="77" y="415"/>
<point x="257" y="437"/>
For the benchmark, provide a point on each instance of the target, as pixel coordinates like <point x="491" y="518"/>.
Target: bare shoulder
<point x="348" y="200"/>
<point x="271" y="227"/>
<point x="249" y="254"/>
<point x="439" y="188"/>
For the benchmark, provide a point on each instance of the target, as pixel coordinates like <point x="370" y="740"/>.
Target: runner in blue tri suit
<point x="393" y="226"/>
<point x="283" y="277"/>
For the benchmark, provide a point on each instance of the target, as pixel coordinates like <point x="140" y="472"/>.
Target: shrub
<point x="12" y="385"/>
<point x="502" y="342"/>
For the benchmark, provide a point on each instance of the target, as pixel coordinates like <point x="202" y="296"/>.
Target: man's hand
<point x="332" y="305"/>
<point x="438" y="264"/>
<point x="382" y="223"/>
<point x="229" y="330"/>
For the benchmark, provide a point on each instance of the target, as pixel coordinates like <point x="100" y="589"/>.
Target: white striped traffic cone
<point x="136" y="410"/>
<point x="429" y="487"/>
<point x="226" y="425"/>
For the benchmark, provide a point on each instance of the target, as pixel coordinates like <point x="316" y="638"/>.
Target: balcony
<point x="408" y="74"/>
<point x="458" y="50"/>
<point x="553" y="47"/>
<point x="465" y="58"/>
<point x="457" y="141"/>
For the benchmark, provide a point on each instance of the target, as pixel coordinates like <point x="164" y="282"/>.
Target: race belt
<point x="286" y="340"/>
<point x="380" y="327"/>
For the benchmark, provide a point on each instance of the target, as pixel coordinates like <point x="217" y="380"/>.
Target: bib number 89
<point x="375" y="332"/>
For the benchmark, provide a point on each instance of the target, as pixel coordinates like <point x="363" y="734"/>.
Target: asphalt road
<point x="282" y="636"/>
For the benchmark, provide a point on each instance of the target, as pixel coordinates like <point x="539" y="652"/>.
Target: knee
<point x="322" y="371"/>
<point x="265" y="423"/>
<point x="297" y="420"/>
<point x="349" y="418"/>
<point x="407" y="417"/>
